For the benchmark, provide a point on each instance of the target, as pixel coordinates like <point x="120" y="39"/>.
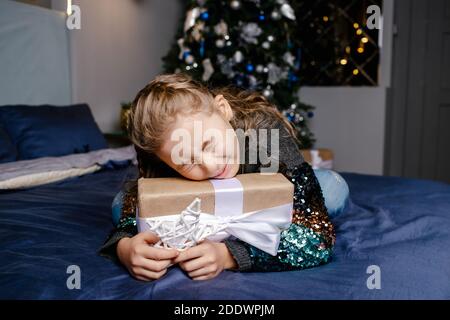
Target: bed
<point x="400" y="226"/>
<point x="394" y="228"/>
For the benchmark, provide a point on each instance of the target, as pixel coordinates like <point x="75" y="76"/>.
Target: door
<point x="418" y="113"/>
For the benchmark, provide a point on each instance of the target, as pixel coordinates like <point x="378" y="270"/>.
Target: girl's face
<point x="203" y="146"/>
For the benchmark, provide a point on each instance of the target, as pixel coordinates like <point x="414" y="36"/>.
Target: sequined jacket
<point x="308" y="242"/>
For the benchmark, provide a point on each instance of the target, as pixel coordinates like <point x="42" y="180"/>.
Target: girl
<point x="174" y="101"/>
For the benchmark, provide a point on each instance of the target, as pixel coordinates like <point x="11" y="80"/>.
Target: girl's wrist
<point x="229" y="261"/>
<point x="121" y="244"/>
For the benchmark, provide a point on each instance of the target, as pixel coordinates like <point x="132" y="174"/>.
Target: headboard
<point x="34" y="55"/>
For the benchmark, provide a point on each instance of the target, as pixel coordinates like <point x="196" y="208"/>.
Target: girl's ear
<point x="223" y="106"/>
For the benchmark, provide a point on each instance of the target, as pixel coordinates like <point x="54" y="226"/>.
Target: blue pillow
<point x="50" y="131"/>
<point x="8" y="151"/>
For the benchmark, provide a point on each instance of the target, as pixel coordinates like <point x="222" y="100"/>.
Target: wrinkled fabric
<point x="401" y="225"/>
<point x="334" y="189"/>
<point x="102" y="157"/>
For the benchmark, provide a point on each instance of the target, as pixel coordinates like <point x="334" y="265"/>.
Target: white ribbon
<point x="229" y="196"/>
<point x="260" y="228"/>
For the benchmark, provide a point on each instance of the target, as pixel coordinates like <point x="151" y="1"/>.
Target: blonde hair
<point x="168" y="95"/>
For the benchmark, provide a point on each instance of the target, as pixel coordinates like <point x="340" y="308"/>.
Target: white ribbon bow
<point x="260" y="229"/>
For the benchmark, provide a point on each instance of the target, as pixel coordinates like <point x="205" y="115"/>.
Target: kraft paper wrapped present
<point x="252" y="207"/>
<point x="319" y="158"/>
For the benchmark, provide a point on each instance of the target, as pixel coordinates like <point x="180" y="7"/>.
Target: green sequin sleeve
<point x="308" y="242"/>
<point x="127" y="222"/>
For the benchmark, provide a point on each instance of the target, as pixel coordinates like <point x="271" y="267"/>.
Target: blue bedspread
<point x="400" y="225"/>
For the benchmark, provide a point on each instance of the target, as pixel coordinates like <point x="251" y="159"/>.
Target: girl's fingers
<point x="189" y="254"/>
<point x="194" y="264"/>
<point x="202" y="271"/>
<point x="154" y="265"/>
<point x="150" y="275"/>
<point x="158" y="253"/>
<point x="163" y="254"/>
<point x="149" y="237"/>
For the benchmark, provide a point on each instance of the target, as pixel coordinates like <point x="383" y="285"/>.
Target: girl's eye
<point x="211" y="146"/>
<point x="188" y="166"/>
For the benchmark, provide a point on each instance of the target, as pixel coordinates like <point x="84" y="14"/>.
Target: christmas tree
<point x="248" y="43"/>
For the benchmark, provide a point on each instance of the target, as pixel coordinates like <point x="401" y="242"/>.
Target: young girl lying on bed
<point x="174" y="101"/>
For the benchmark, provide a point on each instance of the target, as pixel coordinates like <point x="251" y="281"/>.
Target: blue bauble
<point x="185" y="54"/>
<point x="293" y="77"/>
<point x="250" y="67"/>
<point x="202" y="48"/>
<point x="204" y="15"/>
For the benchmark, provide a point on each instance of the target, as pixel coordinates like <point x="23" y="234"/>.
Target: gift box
<point x="319" y="158"/>
<point x="252" y="207"/>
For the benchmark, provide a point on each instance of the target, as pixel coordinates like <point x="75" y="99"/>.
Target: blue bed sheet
<point x="400" y="225"/>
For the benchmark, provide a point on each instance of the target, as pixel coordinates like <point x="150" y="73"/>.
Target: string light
<point x="360" y="34"/>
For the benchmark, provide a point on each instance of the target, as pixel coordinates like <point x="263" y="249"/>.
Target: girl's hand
<point x="143" y="261"/>
<point x="206" y="260"/>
